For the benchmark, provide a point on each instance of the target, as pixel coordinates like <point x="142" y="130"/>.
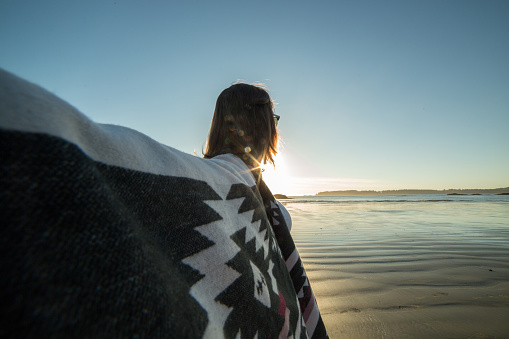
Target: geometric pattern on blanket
<point x="102" y="250"/>
<point x="307" y="301"/>
<point x="108" y="233"/>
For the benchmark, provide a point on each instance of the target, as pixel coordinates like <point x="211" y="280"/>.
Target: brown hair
<point x="243" y="124"/>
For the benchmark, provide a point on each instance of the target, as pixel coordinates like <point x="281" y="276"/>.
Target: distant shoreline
<point x="502" y="191"/>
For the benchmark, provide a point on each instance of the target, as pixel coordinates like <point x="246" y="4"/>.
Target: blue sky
<point x="372" y="94"/>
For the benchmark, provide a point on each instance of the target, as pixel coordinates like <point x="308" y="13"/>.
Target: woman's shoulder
<point x="235" y="165"/>
<point x="286" y="215"/>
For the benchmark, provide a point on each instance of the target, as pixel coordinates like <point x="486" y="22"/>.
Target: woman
<point x="244" y="126"/>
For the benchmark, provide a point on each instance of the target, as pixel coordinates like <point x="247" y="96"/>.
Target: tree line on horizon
<point x="416" y="191"/>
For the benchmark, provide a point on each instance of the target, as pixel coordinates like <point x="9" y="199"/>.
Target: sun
<point x="278" y="179"/>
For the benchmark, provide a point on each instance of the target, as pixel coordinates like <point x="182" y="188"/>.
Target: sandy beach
<point x="407" y="269"/>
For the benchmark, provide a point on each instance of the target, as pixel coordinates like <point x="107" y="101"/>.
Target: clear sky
<point x="371" y="94"/>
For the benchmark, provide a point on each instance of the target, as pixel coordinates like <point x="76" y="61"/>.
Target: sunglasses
<point x="276" y="118"/>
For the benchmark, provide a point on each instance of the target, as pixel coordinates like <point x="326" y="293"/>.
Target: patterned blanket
<point x="107" y="233"/>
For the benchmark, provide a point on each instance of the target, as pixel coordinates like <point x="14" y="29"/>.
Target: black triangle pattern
<point x="96" y="250"/>
<point x="246" y="308"/>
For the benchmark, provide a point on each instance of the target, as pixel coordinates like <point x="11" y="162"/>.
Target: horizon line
<point x="408" y="191"/>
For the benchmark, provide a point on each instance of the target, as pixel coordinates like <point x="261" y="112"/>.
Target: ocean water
<point x="342" y="220"/>
<point x="415" y="266"/>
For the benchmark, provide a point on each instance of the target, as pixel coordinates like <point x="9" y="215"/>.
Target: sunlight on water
<point x="334" y="221"/>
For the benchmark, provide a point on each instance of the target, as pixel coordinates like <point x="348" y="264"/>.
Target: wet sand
<point x="380" y="279"/>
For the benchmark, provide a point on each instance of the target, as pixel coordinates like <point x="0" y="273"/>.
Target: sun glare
<point x="278" y="179"/>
